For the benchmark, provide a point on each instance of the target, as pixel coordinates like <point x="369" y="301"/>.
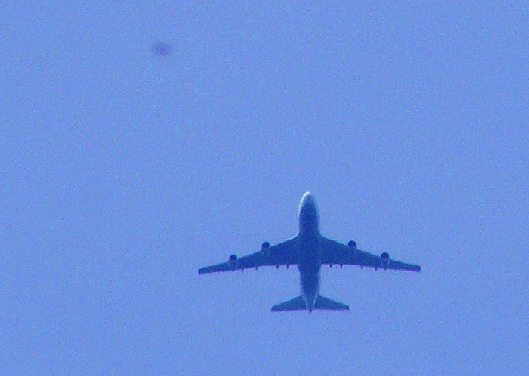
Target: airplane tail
<point x="329" y="304"/>
<point x="298" y="304"/>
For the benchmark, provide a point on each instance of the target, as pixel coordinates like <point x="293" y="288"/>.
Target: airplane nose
<point x="307" y="200"/>
<point x="308" y="213"/>
<point x="308" y="203"/>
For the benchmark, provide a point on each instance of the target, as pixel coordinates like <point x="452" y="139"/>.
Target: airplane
<point x="309" y="250"/>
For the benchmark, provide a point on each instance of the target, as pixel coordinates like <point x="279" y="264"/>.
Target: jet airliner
<point x="309" y="250"/>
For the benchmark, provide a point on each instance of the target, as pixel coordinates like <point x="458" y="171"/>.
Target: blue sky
<point x="124" y="171"/>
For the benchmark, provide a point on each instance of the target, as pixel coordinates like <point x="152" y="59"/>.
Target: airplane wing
<point x="285" y="253"/>
<point x="335" y="253"/>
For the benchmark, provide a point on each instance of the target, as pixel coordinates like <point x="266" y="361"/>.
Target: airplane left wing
<point x="285" y="253"/>
<point x="335" y="253"/>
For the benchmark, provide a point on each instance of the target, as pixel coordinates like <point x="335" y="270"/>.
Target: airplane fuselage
<point x="310" y="250"/>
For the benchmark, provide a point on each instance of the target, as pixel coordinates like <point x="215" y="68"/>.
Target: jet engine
<point x="352" y="245"/>
<point x="232" y="261"/>
<point x="265" y="248"/>
<point x="384" y="257"/>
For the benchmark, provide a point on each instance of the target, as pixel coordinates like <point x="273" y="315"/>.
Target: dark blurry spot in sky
<point x="161" y="49"/>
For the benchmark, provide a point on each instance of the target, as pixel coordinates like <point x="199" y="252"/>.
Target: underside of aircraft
<point x="309" y="250"/>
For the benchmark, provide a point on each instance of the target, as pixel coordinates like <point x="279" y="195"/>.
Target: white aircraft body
<point x="309" y="250"/>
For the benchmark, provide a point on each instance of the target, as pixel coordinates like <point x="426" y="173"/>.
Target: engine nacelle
<point x="265" y="248"/>
<point x="384" y="257"/>
<point x="232" y="261"/>
<point x="352" y="245"/>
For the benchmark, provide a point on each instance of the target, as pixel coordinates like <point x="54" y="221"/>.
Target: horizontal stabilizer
<point x="296" y="304"/>
<point x="330" y="305"/>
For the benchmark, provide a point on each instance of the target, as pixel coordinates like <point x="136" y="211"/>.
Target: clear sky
<point x="123" y="170"/>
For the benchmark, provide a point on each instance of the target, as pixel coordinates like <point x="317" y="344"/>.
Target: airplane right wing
<point x="285" y="253"/>
<point x="335" y="253"/>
